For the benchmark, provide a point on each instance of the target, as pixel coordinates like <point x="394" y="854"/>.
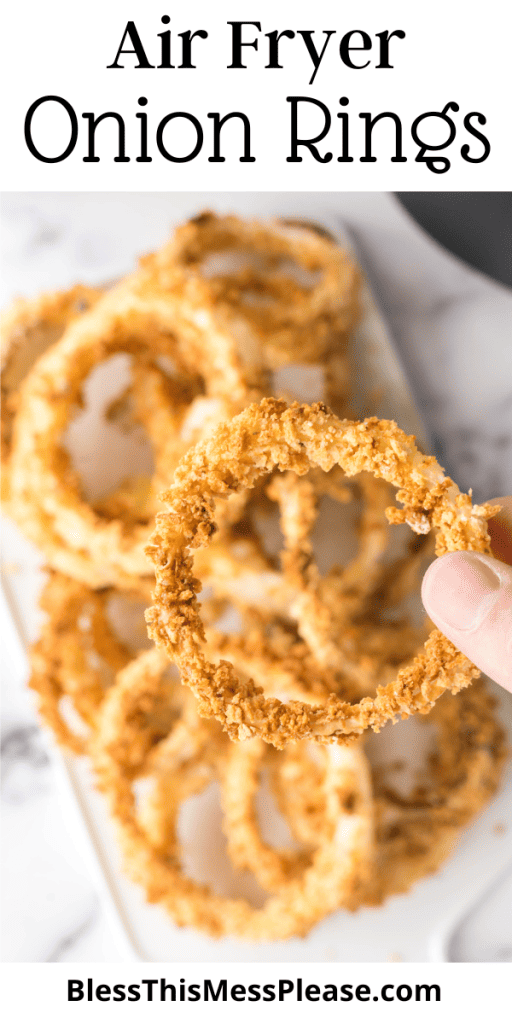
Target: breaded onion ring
<point x="27" y="328"/>
<point x="155" y="312"/>
<point x="271" y="653"/>
<point x="417" y="832"/>
<point x="77" y="656"/>
<point x="273" y="867"/>
<point x="151" y="852"/>
<point x="46" y="495"/>
<point x="332" y="612"/>
<point x="256" y="442"/>
<point x="279" y="313"/>
<point x="339" y="605"/>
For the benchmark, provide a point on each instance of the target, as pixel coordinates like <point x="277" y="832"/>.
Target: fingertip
<point x="468" y="595"/>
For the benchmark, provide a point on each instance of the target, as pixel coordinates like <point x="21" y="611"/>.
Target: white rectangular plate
<point x="416" y="927"/>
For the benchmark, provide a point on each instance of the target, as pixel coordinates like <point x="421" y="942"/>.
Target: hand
<point x="469" y="598"/>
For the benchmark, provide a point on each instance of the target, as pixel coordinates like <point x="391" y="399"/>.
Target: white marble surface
<point x="452" y="329"/>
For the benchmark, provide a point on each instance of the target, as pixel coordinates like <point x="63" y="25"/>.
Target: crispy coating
<point x="272" y="654"/>
<point x="260" y="439"/>
<point x="333" y="614"/>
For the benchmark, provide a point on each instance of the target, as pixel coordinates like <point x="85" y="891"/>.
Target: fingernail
<point x="460" y="589"/>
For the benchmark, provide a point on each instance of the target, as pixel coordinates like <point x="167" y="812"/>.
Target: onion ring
<point x="45" y="492"/>
<point x="149" y="313"/>
<point x="331" y="612"/>
<point x="27" y="328"/>
<point x="273" y="867"/>
<point x="241" y="573"/>
<point x="275" y="315"/>
<point x="235" y="457"/>
<point x="277" y="659"/>
<point x="124" y="749"/>
<point x="76" y="657"/>
<point x="415" y="833"/>
<point x="296" y="781"/>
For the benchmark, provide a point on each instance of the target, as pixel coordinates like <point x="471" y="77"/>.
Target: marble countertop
<point x="452" y="329"/>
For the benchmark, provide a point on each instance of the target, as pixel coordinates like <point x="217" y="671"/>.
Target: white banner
<point x="242" y="95"/>
<point x="196" y="992"/>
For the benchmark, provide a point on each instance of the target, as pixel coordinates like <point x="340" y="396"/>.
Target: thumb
<point x="469" y="597"/>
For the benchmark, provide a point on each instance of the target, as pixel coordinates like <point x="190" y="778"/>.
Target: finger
<point x="500" y="530"/>
<point x="469" y="597"/>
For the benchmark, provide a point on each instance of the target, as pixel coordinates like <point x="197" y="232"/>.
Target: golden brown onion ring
<point x="274" y="867"/>
<point x="416" y="832"/>
<point x="236" y="456"/>
<point x="332" y="612"/>
<point x="77" y="656"/>
<point x="27" y="328"/>
<point x="288" y="295"/>
<point x="129" y="745"/>
<point x="46" y="496"/>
